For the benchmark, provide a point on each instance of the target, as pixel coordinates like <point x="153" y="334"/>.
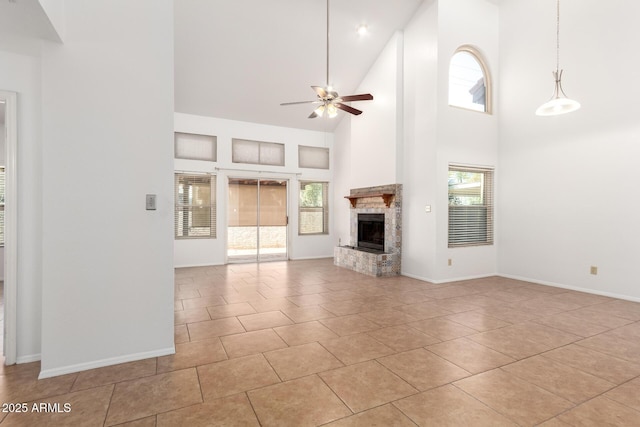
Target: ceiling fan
<point x="328" y="98"/>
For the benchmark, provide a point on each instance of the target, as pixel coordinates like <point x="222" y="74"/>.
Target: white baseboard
<point x="311" y="257"/>
<point x="440" y="282"/>
<point x="223" y="264"/>
<point x="28" y="358"/>
<point x="48" y="373"/>
<point x="571" y="288"/>
<point x="198" y="265"/>
<point x="415" y="276"/>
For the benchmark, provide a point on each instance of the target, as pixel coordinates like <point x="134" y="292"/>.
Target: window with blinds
<point x="195" y="215"/>
<point x="195" y="147"/>
<point x="470" y="206"/>
<point x="313" y="209"/>
<point x="257" y="152"/>
<point x="313" y="157"/>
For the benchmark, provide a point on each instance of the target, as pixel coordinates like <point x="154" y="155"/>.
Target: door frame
<point x="10" y="227"/>
<point x="259" y="177"/>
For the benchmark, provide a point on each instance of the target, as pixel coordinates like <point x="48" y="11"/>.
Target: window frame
<point x="212" y="206"/>
<point x="477" y="55"/>
<point x="488" y="204"/>
<point x="324" y="208"/>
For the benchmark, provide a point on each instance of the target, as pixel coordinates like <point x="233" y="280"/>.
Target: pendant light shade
<point x="559" y="102"/>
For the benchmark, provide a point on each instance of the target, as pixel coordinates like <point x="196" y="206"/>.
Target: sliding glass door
<point x="257" y="220"/>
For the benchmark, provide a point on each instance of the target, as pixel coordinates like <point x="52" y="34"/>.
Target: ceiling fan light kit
<point x="559" y="102"/>
<point x="329" y="100"/>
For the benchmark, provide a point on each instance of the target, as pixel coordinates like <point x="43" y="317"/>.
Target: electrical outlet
<point x="594" y="270"/>
<point x="450" y="262"/>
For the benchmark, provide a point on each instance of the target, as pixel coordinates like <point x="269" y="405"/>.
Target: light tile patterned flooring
<point x="305" y="343"/>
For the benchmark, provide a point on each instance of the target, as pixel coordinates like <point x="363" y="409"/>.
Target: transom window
<point x="195" y="147"/>
<point x="469" y="80"/>
<point x="313" y="157"/>
<point x="257" y="152"/>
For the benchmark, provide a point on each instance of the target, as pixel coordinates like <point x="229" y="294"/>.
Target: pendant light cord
<point x="557" y="36"/>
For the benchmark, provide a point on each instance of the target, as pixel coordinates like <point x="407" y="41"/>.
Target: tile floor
<point x="306" y="343"/>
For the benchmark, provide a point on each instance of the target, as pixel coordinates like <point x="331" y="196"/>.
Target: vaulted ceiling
<point x="25" y="18"/>
<point x="240" y="59"/>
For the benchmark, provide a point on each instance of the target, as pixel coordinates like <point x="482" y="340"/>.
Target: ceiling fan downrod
<point x="329" y="99"/>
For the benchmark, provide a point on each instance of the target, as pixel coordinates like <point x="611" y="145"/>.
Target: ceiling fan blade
<point x="302" y="102"/>
<point x="362" y="97"/>
<point x="313" y="115"/>
<point x="322" y="93"/>
<point x="348" y="109"/>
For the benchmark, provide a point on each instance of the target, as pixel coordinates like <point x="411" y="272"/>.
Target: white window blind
<point x="195" y="212"/>
<point x="470" y="206"/>
<point x="313" y="157"/>
<point x="271" y="154"/>
<point x="257" y="152"/>
<point x="313" y="210"/>
<point x="196" y="147"/>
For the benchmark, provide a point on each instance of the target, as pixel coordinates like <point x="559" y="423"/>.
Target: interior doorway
<point x="257" y="220"/>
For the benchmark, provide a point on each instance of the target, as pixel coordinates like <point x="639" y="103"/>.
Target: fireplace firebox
<point x="371" y="231"/>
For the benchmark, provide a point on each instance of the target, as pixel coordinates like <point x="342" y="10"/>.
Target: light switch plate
<point x="151" y="202"/>
<point x="427" y="208"/>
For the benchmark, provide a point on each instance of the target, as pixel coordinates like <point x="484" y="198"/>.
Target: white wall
<point x="367" y="147"/>
<point x="192" y="252"/>
<point x="20" y="72"/>
<point x="420" y="144"/>
<point x="342" y="172"/>
<point x="374" y="134"/>
<point x="568" y="193"/>
<point x="466" y="137"/>
<point x="107" y="108"/>
<point x="409" y="134"/>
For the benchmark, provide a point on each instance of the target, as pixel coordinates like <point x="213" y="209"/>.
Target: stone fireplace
<point x="375" y="231"/>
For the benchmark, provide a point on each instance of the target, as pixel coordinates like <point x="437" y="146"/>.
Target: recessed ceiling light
<point x="362" y="29"/>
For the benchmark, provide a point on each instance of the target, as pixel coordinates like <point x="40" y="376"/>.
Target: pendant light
<point x="559" y="102"/>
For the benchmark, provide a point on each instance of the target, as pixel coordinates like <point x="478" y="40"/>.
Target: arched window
<point x="469" y="80"/>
